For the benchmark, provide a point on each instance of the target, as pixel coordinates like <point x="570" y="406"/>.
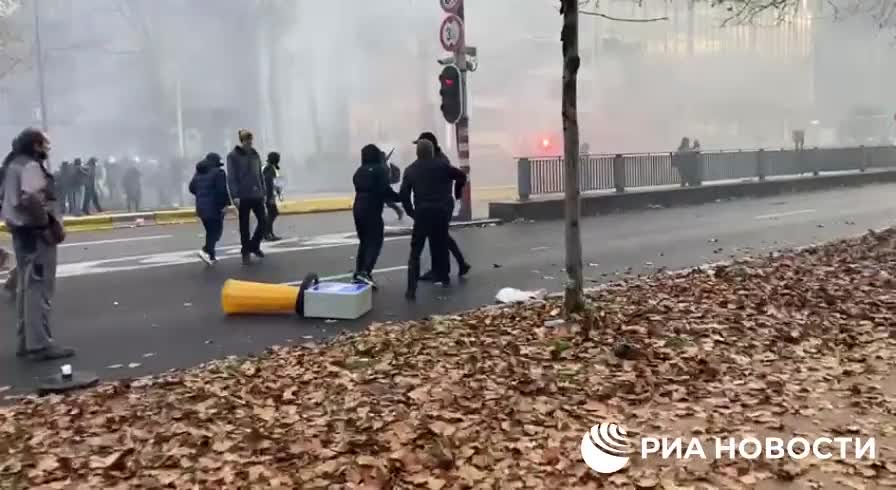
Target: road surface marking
<point x="152" y="261"/>
<point x="116" y="240"/>
<point x="787" y="213"/>
<point x="348" y="275"/>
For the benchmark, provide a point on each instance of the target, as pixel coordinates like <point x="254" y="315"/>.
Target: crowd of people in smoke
<point x="131" y="184"/>
<point x="33" y="200"/>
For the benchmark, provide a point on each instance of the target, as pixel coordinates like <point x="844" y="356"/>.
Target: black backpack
<point x="394" y="174"/>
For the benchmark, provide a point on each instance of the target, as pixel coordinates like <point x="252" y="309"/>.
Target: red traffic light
<point x="449" y="82"/>
<point x="545" y="143"/>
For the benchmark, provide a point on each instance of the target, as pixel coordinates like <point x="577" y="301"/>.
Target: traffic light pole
<point x="462" y="128"/>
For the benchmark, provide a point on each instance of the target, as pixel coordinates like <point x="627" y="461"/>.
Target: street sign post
<point x="451" y="6"/>
<point x="451" y="33"/>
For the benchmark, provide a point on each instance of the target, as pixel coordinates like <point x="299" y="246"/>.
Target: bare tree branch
<point x="622" y="19"/>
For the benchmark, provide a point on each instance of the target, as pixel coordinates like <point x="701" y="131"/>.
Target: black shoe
<point x="272" y="238"/>
<point x="428" y="276"/>
<point x="51" y="353"/>
<point x="258" y="253"/>
<point x="366" y="279"/>
<point x="445" y="283"/>
<point x="246" y="259"/>
<point x="464" y="269"/>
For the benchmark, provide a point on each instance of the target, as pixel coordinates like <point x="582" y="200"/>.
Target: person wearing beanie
<point x="372" y="192"/>
<point x="246" y="184"/>
<point x="429" y="180"/>
<point x="271" y="172"/>
<point x="462" y="265"/>
<point x="209" y="185"/>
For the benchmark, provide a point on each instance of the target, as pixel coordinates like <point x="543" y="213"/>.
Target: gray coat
<point x="244" y="176"/>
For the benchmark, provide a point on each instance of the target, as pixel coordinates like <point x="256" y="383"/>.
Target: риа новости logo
<point x="605" y="448"/>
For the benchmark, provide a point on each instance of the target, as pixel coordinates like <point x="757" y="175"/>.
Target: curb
<point x="182" y="216"/>
<point x="594" y="204"/>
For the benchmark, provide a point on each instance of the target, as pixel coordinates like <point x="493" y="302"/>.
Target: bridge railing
<point x="538" y="176"/>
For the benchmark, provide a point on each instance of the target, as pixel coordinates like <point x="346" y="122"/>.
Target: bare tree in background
<point x="15" y="48"/>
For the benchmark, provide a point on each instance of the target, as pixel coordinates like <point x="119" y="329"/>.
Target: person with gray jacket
<point x="30" y="209"/>
<point x="246" y="184"/>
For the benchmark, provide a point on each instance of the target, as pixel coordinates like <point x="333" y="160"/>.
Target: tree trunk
<point x="575" y="301"/>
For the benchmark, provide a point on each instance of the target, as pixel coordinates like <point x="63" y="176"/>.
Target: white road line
<point x="349" y="275"/>
<point x="152" y="261"/>
<point x="787" y="213"/>
<point x="116" y="240"/>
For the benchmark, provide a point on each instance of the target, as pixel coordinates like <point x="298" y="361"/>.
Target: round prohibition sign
<point x="451" y="33"/>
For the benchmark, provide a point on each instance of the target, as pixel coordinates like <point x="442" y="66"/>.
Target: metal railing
<point x="544" y="175"/>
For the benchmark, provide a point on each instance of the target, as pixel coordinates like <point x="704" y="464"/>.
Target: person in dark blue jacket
<point x="209" y="185"/>
<point x="372" y="192"/>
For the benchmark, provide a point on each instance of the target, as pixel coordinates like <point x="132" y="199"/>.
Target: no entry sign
<point x="451" y="33"/>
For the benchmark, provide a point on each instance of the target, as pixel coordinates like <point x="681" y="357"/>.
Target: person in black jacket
<point x="91" y="196"/>
<point x="246" y="185"/>
<point x="209" y="185"/>
<point x="272" y="192"/>
<point x="462" y="265"/>
<point x="430" y="181"/>
<point x="372" y="192"/>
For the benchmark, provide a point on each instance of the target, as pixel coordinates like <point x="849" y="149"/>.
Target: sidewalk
<point x="796" y="346"/>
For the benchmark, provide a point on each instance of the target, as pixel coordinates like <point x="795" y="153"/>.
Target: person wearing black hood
<point x="29" y="207"/>
<point x="430" y="181"/>
<point x="462" y="265"/>
<point x="372" y="192"/>
<point x="209" y="185"/>
<point x="271" y="171"/>
<point x="246" y="184"/>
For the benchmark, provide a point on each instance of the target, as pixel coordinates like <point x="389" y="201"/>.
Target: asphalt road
<point x="140" y="295"/>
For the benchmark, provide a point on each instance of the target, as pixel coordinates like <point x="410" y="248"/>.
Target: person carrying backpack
<point x="30" y="210"/>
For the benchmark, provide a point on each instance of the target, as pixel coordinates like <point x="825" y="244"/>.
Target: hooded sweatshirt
<point x="209" y="185"/>
<point x="371" y="180"/>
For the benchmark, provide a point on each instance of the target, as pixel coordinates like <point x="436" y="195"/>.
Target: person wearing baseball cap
<point x="462" y="264"/>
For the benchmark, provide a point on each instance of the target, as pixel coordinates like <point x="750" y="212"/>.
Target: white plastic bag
<point x="513" y="295"/>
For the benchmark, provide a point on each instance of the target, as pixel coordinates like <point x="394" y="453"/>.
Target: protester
<point x="63" y="186"/>
<point x="429" y="180"/>
<point x="75" y="187"/>
<point x="273" y="192"/>
<point x="130" y="182"/>
<point x="372" y="192"/>
<point x="90" y="194"/>
<point x="246" y="185"/>
<point x="29" y="209"/>
<point x="462" y="265"/>
<point x="209" y="185"/>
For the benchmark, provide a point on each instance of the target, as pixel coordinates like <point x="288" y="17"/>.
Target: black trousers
<point x="251" y="206"/>
<point x="91" y="197"/>
<point x="133" y="201"/>
<point x="214" y="228"/>
<point x="273" y="211"/>
<point x="370" y="237"/>
<point x="430" y="224"/>
<point x="454" y="250"/>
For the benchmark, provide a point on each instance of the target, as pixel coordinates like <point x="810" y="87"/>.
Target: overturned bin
<point x="312" y="299"/>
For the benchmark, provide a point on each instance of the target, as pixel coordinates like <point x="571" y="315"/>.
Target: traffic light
<point x="452" y="94"/>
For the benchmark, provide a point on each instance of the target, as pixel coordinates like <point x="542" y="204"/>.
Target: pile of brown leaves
<point x="798" y="344"/>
